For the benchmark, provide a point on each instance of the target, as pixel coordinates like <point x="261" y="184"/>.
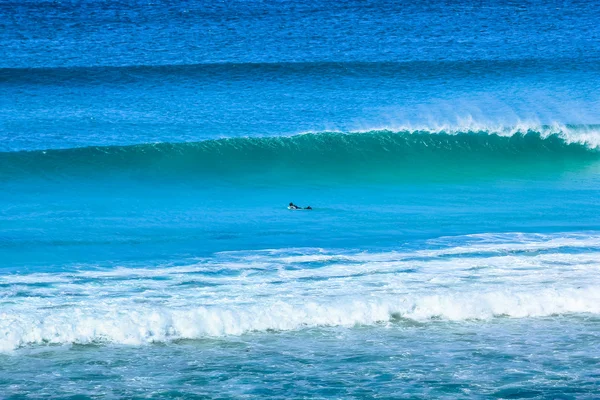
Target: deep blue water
<point x="149" y="150"/>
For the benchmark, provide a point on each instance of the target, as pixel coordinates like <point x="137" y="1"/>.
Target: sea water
<point x="449" y="152"/>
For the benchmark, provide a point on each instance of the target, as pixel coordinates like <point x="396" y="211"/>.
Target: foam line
<point x="142" y="325"/>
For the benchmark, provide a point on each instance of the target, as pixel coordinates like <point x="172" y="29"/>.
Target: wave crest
<point x="380" y="154"/>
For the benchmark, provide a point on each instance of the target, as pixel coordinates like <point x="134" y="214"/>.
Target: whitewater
<point x="488" y="276"/>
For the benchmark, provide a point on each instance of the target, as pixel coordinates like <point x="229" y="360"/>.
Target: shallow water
<point x="499" y="359"/>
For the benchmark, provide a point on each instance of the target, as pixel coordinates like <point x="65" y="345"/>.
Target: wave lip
<point x="373" y="155"/>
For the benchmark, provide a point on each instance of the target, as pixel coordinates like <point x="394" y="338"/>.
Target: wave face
<point x="466" y="278"/>
<point x="372" y="155"/>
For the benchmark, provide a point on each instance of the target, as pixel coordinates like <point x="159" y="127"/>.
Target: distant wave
<point x="285" y="70"/>
<point x="371" y="155"/>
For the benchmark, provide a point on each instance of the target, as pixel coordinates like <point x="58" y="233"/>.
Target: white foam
<point x="588" y="135"/>
<point x="141" y="325"/>
<point x="456" y="278"/>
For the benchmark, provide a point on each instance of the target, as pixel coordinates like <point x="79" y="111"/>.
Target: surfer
<point x="292" y="206"/>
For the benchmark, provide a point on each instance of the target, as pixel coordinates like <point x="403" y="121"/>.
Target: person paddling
<point x="292" y="206"/>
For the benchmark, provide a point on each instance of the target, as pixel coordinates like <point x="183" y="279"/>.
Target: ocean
<point x="450" y="152"/>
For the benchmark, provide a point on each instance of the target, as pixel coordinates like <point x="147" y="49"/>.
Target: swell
<point x="373" y="155"/>
<point x="413" y="70"/>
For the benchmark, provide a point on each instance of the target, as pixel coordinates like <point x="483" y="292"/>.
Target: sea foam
<point x="465" y="278"/>
<point x="142" y="324"/>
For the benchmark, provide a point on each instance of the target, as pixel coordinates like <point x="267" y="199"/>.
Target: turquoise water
<point x="148" y="152"/>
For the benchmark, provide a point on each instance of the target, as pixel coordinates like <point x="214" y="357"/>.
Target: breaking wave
<point x="142" y="325"/>
<point x="381" y="154"/>
<point x="465" y="278"/>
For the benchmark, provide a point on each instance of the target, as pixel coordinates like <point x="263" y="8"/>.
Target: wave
<point x="142" y="325"/>
<point x="371" y="155"/>
<point x="463" y="278"/>
<point x="289" y="70"/>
